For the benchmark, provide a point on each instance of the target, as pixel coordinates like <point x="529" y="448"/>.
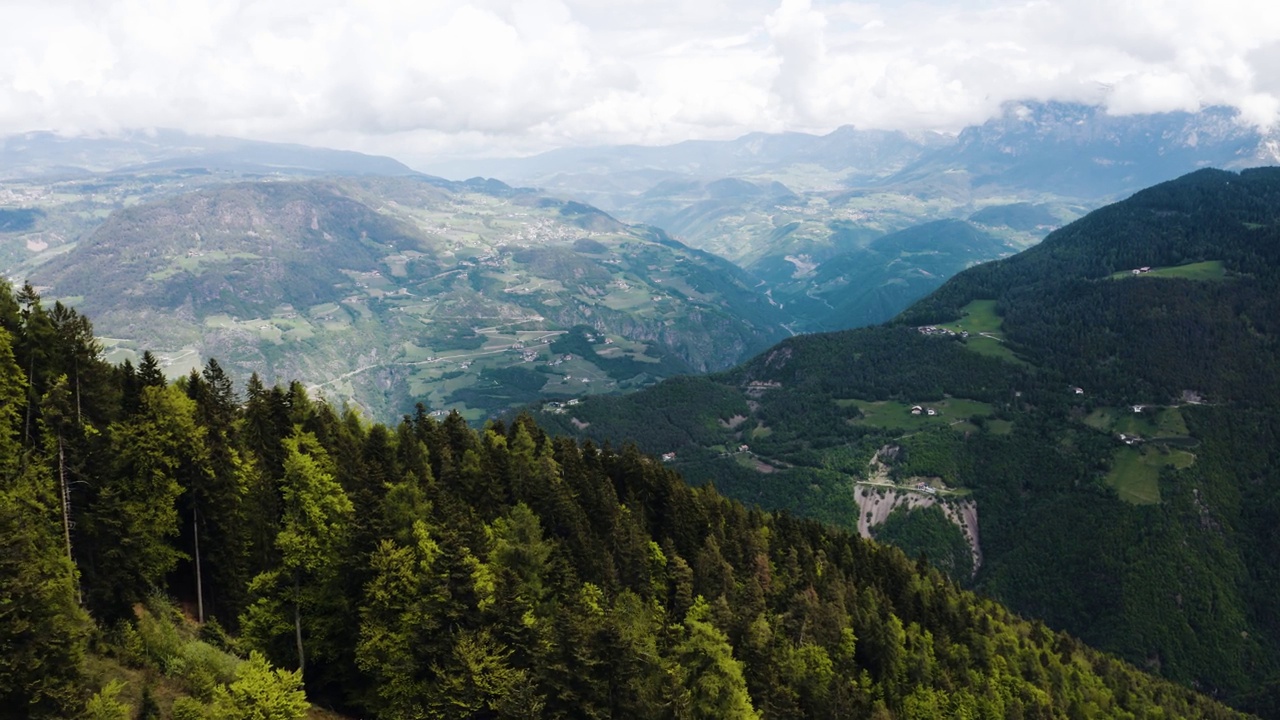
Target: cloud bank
<point x="446" y="78"/>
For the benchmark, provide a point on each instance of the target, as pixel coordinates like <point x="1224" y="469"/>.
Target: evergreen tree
<point x="135" y="514"/>
<point x="313" y="535"/>
<point x="402" y="628"/>
<point x="43" y="631"/>
<point x="712" y="683"/>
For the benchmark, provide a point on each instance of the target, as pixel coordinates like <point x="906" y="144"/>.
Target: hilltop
<point x="389" y="291"/>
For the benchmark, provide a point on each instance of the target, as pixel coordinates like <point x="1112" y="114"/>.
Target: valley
<point x="423" y="297"/>
<point x="402" y="291"/>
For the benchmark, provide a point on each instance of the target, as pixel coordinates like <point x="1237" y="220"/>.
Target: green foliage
<point x="712" y="685"/>
<point x="104" y="705"/>
<point x="438" y="571"/>
<point x="135" y="515"/>
<point x="927" y="531"/>
<point x="313" y="533"/>
<point x="260" y="692"/>
<point x="936" y="452"/>
<point x="43" y="631"/>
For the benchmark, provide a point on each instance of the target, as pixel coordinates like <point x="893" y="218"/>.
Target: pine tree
<point x="712" y="682"/>
<point x="402" y="625"/>
<point x="135" y="516"/>
<point x="313" y="535"/>
<point x="43" y="631"/>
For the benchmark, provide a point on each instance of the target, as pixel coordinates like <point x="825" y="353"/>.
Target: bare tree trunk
<point x="66" y="510"/>
<point x="78" y="420"/>
<point x="31" y="387"/>
<point x="297" y="626"/>
<point x="195" y="527"/>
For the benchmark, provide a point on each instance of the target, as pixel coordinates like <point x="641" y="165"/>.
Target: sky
<point x="431" y="80"/>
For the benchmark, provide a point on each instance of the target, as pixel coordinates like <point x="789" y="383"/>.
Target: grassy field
<point x="979" y="317"/>
<point x="897" y="416"/>
<point x="984" y="327"/>
<point x="1153" y="423"/>
<point x="1207" y="270"/>
<point x="1000" y="427"/>
<point x="1135" y="473"/>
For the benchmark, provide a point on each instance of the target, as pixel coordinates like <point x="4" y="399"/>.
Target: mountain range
<point x="779" y="205"/>
<point x="1054" y="147"/>
<point x="773" y="234"/>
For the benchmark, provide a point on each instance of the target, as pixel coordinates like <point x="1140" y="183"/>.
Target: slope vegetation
<point x="429" y="570"/>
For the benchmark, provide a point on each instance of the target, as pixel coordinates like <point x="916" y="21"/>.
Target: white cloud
<point x="1153" y="92"/>
<point x="423" y="79"/>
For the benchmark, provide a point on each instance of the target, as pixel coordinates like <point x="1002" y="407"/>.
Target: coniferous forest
<point x="197" y="550"/>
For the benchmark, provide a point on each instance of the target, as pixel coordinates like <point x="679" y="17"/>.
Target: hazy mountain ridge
<point x="870" y="285"/>
<point x="1082" y="151"/>
<point x="866" y="153"/>
<point x="37" y="154"/>
<point x="1143" y="146"/>
<point x="768" y="197"/>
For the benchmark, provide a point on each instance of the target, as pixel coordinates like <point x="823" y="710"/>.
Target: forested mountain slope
<point x="870" y="285"/>
<point x="1104" y="405"/>
<point x="429" y="570"/>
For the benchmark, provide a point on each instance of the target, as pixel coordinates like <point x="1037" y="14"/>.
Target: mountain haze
<point x="39" y="154"/>
<point x="779" y="205"/>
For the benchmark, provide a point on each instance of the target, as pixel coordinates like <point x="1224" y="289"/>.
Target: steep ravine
<point x="878" y="497"/>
